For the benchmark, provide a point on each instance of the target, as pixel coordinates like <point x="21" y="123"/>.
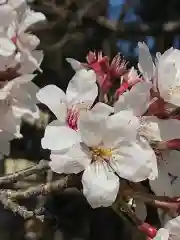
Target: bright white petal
<point x="8" y="122"/>
<point x="20" y="111"/>
<point x="156" y="129"/>
<point x="58" y="137"/>
<point x="120" y="126"/>
<point x="134" y="161"/>
<point x="168" y="82"/>
<point x="91" y="127"/>
<point x="7" y="48"/>
<point x="76" y="65"/>
<point x="55" y="99"/>
<point x="137" y="99"/>
<point x="31" y="19"/>
<point x="29" y="41"/>
<point x="82" y="88"/>
<point x="102" y="109"/>
<point x="26" y="78"/>
<point x="27" y="66"/>
<point x="74" y="160"/>
<point x="146" y="64"/>
<point x="7" y="15"/>
<point x="100" y="185"/>
<point x="162" y="234"/>
<point x="173" y="226"/>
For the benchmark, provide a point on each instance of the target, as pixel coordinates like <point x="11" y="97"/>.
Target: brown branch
<point x="42" y="189"/>
<point x="73" y="24"/>
<point x="169" y="204"/>
<point x="16" y="208"/>
<point x="41" y="166"/>
<point x="126" y="30"/>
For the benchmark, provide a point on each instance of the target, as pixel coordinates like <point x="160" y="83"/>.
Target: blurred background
<point x="73" y="28"/>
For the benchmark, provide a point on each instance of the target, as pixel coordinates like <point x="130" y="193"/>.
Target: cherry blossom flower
<point x="19" y="97"/>
<point x="106" y="72"/>
<point x="109" y="148"/>
<point x="166" y="74"/>
<point x="17" y="100"/>
<point x="16" y="38"/>
<point x="80" y="95"/>
<point x="10" y="10"/>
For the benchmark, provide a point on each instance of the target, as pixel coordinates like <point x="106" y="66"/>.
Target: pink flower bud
<point x="148" y="229"/>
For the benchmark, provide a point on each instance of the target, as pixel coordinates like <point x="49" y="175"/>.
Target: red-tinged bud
<point x="106" y="72"/>
<point x="91" y="57"/>
<point x="124" y="86"/>
<point x="173" y="144"/>
<point x="148" y="229"/>
<point x="14" y="39"/>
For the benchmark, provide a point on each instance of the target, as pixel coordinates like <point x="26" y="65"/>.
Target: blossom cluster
<point x="18" y="61"/>
<point x="114" y="124"/>
<point x="131" y="132"/>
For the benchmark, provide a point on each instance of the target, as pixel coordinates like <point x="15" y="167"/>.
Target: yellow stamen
<point x="104" y="153"/>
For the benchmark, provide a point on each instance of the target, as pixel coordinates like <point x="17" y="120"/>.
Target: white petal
<point x="31" y="19"/>
<point x="18" y="5"/>
<point x="29" y="41"/>
<point x="167" y="82"/>
<point x="146" y="65"/>
<point x="102" y="109"/>
<point x="7" y="15"/>
<point x="7" y="48"/>
<point x="156" y="129"/>
<point x="8" y="122"/>
<point x="76" y="65"/>
<point x="140" y="210"/>
<point x="30" y="90"/>
<point x="74" y="160"/>
<point x="100" y="185"/>
<point x="55" y="99"/>
<point x="173" y="226"/>
<point x="91" y="127"/>
<point x="82" y="87"/>
<point x="134" y="160"/>
<point x="31" y="112"/>
<point x="26" y="78"/>
<point x="29" y="67"/>
<point x="162" y="234"/>
<point x="120" y="126"/>
<point x="137" y="99"/>
<point x="58" y="136"/>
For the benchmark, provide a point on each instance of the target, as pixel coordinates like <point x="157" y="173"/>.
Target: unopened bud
<point x="148" y="229"/>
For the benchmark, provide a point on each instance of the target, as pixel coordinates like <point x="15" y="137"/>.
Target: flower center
<point x="72" y="117"/>
<point x="101" y="153"/>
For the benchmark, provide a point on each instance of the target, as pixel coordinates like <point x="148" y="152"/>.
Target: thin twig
<point x="42" y="189"/>
<point x="41" y="166"/>
<point x="73" y="24"/>
<point x="16" y="208"/>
